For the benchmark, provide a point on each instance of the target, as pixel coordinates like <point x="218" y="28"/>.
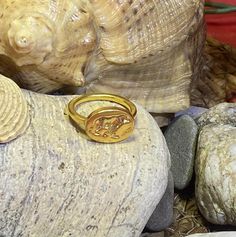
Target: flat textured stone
<point x="224" y="113"/>
<point x="216" y="174"/>
<point x="181" y="137"/>
<point x="56" y="183"/>
<point x="162" y="217"/>
<point x="216" y="234"/>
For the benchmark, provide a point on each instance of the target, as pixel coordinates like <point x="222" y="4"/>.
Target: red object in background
<point x="232" y="99"/>
<point x="222" y="26"/>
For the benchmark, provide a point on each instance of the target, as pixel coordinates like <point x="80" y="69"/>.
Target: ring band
<point x="106" y="124"/>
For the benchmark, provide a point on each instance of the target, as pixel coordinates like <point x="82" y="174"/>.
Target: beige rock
<point x="55" y="183"/>
<point x="223" y="113"/>
<point x="216" y="174"/>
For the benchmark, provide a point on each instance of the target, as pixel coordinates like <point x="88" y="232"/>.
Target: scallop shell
<point x="147" y="51"/>
<point x="14" y="114"/>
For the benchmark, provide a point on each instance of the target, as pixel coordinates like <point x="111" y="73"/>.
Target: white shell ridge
<point x="14" y="114"/>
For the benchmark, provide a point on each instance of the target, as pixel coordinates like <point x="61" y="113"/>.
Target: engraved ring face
<point x="109" y="125"/>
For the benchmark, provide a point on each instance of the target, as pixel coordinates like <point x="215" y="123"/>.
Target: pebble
<point x="224" y="113"/>
<point x="181" y="137"/>
<point x="162" y="217"/>
<point x="216" y="174"/>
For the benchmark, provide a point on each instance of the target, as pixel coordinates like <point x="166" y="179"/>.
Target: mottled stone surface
<point x="216" y="174"/>
<point x="224" y="113"/>
<point x="181" y="138"/>
<point x="55" y="183"/>
<point x="160" y="234"/>
<point x="162" y="217"/>
<point x="216" y="234"/>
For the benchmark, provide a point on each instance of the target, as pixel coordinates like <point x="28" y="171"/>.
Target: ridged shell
<point x="147" y="51"/>
<point x="14" y="114"/>
<point x="154" y="49"/>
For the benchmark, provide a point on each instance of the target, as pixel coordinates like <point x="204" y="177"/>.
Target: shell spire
<point x="31" y="39"/>
<point x="50" y="41"/>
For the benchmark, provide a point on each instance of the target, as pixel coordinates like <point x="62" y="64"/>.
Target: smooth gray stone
<point x="181" y="137"/>
<point x="162" y="217"/>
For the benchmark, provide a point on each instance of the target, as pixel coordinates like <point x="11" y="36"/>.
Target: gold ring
<point x="106" y="124"/>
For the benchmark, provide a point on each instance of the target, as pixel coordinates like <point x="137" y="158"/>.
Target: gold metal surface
<point x="106" y="124"/>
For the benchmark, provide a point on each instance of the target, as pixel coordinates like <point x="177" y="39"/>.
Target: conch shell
<point x="14" y="114"/>
<point x="144" y="50"/>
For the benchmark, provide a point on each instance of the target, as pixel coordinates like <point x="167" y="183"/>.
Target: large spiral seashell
<point x="14" y="114"/>
<point x="148" y="51"/>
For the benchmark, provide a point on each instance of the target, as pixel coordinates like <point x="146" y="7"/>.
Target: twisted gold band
<point x="106" y="124"/>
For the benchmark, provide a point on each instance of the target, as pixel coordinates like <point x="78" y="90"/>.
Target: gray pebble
<point x="162" y="217"/>
<point x="181" y="137"/>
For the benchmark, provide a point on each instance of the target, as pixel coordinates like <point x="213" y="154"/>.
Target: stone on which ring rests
<point x="84" y="188"/>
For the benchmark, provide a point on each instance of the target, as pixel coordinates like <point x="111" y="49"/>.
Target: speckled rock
<point x="159" y="234"/>
<point x="216" y="174"/>
<point x="181" y="137"/>
<point x="162" y="217"/>
<point x="216" y="234"/>
<point x="224" y="113"/>
<point x="56" y="183"/>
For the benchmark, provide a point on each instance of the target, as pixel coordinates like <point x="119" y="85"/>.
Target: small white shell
<point x="14" y="114"/>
